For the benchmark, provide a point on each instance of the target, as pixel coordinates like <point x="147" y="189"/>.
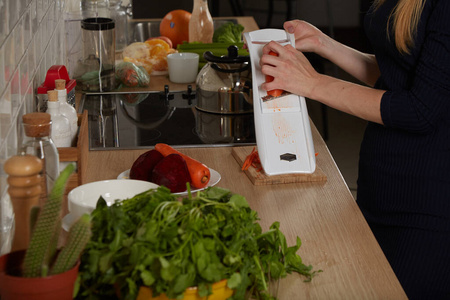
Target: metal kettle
<point x="224" y="84"/>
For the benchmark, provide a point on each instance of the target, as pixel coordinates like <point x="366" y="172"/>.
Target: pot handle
<point x="232" y="57"/>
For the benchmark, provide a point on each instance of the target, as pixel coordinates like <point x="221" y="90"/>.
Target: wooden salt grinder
<point x="24" y="191"/>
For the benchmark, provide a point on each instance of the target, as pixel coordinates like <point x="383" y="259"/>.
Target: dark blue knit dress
<point x="404" y="167"/>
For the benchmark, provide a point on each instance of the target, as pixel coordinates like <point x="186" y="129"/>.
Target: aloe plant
<point x="42" y="252"/>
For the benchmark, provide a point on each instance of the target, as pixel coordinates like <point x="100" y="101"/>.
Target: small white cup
<point x="183" y="67"/>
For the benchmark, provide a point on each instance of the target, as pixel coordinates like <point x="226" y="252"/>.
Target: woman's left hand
<point x="291" y="70"/>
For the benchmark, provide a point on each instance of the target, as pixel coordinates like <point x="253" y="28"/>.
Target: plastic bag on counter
<point x="130" y="75"/>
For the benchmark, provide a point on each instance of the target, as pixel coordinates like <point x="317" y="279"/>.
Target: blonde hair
<point x="406" y="16"/>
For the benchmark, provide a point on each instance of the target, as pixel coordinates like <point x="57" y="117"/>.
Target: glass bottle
<point x="201" y="27"/>
<point x="60" y="124"/>
<point x="119" y="15"/>
<point x="95" y="9"/>
<point x="67" y="110"/>
<point x="37" y="129"/>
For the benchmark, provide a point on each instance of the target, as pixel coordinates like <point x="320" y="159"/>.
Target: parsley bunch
<point x="155" y="240"/>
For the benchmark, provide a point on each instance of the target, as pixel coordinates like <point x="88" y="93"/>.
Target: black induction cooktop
<point x="143" y="119"/>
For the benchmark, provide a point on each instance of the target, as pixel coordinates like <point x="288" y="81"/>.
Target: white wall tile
<point x="52" y="16"/>
<point x="43" y="69"/>
<point x="18" y="42"/>
<point x="32" y="39"/>
<point x="19" y="130"/>
<point x="4" y="24"/>
<point x="15" y="93"/>
<point x="30" y="102"/>
<point x="11" y="141"/>
<point x="40" y="10"/>
<point x="24" y="74"/>
<point x="13" y="13"/>
<point x="26" y="25"/>
<point x="39" y="44"/>
<point x="3" y="158"/>
<point x="22" y="6"/>
<point x="8" y="57"/>
<point x="33" y="16"/>
<point x="59" y="7"/>
<point x="31" y="58"/>
<point x="2" y="68"/>
<point x="50" y="54"/>
<point x="5" y="112"/>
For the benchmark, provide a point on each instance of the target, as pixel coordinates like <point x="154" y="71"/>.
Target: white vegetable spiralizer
<point x="283" y="132"/>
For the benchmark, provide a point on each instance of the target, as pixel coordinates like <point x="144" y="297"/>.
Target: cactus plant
<point x="42" y="253"/>
<point x="80" y="235"/>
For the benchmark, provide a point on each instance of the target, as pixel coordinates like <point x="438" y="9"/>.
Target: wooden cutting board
<point x="261" y="178"/>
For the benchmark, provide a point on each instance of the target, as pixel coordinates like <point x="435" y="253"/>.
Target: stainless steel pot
<point x="224" y="84"/>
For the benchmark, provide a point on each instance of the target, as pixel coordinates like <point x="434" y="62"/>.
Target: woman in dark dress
<point x="404" y="167"/>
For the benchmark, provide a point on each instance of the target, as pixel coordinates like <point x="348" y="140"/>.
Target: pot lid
<point x="231" y="63"/>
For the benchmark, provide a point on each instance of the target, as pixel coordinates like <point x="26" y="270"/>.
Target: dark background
<point x="353" y="36"/>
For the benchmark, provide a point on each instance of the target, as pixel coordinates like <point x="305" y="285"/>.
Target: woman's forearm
<point x="362" y="66"/>
<point x="309" y="38"/>
<point x="360" y="101"/>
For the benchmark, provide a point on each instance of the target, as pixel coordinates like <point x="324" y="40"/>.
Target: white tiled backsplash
<point x="32" y="39"/>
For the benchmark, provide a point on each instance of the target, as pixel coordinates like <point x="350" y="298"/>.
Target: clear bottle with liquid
<point x="37" y="128"/>
<point x="201" y="26"/>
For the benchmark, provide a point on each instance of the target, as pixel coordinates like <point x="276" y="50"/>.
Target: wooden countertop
<point x="335" y="236"/>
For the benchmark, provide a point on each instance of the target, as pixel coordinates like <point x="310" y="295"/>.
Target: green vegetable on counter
<point x="218" y="49"/>
<point x="228" y="33"/>
<point x="155" y="240"/>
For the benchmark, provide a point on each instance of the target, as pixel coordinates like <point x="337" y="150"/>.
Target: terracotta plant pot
<point x="56" y="287"/>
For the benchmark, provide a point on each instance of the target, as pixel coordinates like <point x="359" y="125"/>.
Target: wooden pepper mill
<point x="24" y="190"/>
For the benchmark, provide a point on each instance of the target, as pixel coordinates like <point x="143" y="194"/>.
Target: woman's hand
<point x="308" y="38"/>
<point x="291" y="70"/>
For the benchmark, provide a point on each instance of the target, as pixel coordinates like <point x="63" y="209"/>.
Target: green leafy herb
<point x="228" y="33"/>
<point x="155" y="240"/>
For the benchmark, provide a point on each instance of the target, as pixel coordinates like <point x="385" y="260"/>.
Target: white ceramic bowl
<point x="83" y="198"/>
<point x="183" y="67"/>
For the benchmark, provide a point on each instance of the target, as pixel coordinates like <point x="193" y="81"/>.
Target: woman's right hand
<point x="308" y="38"/>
